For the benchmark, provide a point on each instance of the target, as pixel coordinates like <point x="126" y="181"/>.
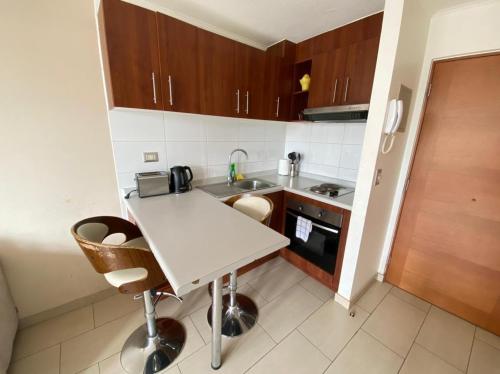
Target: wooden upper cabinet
<point x="216" y="72"/>
<point x="328" y="76"/>
<point x="360" y="70"/>
<point x="178" y="42"/>
<point x="130" y="47"/>
<point x="249" y="79"/>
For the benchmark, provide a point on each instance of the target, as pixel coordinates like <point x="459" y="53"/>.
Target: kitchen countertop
<point x="295" y="185"/>
<point x="196" y="239"/>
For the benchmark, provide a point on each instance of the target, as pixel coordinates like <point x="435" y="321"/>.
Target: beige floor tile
<point x="115" y="307"/>
<point x="279" y="279"/>
<point x="96" y="345"/>
<point x="199" y="317"/>
<point x="484" y="359"/>
<point x="238" y="354"/>
<point x="411" y="299"/>
<point x="420" y="360"/>
<point x="447" y="336"/>
<point x="395" y="323"/>
<point x="317" y="289"/>
<point x="365" y="355"/>
<point x="112" y="365"/>
<point x="260" y="270"/>
<point x="488" y="337"/>
<point x="294" y="355"/>
<point x="46" y="362"/>
<point x="288" y="311"/>
<point x="91" y="370"/>
<point x="331" y="327"/>
<point x="373" y="296"/>
<point x="48" y="333"/>
<point x="171" y="307"/>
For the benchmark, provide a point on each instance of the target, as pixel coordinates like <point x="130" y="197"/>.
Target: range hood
<point x="342" y="113"/>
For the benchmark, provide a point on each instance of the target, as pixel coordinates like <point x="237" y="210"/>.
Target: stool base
<point x="141" y="354"/>
<point x="238" y="319"/>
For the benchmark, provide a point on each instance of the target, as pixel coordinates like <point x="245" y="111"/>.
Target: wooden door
<point x="447" y="245"/>
<point x="179" y="64"/>
<point x="216" y="69"/>
<point x="130" y="49"/>
<point x="254" y="100"/>
<point x="326" y="78"/>
<point x="360" y="70"/>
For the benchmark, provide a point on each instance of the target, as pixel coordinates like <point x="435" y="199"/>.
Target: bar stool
<point x="239" y="312"/>
<point x="132" y="268"/>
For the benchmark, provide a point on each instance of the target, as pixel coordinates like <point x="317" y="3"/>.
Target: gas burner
<point x="331" y="190"/>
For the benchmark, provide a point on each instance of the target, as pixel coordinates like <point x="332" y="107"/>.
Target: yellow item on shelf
<point x="304" y="82"/>
<point x="239" y="177"/>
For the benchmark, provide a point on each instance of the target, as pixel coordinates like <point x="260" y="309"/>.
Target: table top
<point x="195" y="238"/>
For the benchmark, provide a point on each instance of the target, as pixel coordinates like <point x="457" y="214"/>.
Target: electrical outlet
<point x="150" y="156"/>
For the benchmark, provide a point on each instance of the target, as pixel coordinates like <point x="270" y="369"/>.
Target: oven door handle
<point x="316" y="224"/>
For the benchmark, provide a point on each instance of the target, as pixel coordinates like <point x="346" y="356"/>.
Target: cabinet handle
<point x="346" y="89"/>
<point x="154" y="87"/>
<point x="170" y="90"/>
<point x="248" y="102"/>
<point x="335" y="90"/>
<point x="238" y="101"/>
<point x="278" y="107"/>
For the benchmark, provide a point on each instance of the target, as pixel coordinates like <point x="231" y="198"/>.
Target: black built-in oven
<point x="322" y="245"/>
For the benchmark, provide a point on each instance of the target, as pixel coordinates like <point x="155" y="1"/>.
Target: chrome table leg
<point x="216" y="323"/>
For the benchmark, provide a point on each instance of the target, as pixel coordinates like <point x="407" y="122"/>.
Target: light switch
<point x="150" y="156"/>
<point x="378" y="177"/>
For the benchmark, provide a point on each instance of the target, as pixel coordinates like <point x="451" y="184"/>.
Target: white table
<point x="196" y="239"/>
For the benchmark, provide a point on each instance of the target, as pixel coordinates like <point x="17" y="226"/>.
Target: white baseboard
<point x="348" y="304"/>
<point x="65" y="308"/>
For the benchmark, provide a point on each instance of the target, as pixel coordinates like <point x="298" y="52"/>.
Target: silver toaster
<point x="152" y="183"/>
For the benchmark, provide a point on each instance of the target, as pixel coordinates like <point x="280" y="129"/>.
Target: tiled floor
<point x="300" y="330"/>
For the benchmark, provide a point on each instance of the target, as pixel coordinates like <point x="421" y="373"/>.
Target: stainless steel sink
<point x="238" y="187"/>
<point x="253" y="184"/>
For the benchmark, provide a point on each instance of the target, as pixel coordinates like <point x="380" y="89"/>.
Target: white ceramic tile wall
<point x="330" y="149"/>
<point x="202" y="142"/>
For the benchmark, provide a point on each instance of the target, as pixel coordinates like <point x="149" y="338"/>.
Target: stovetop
<point x="330" y="190"/>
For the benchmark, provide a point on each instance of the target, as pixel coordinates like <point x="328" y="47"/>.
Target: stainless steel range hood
<point x="342" y="113"/>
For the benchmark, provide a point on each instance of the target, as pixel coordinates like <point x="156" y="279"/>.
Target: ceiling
<point x="265" y="22"/>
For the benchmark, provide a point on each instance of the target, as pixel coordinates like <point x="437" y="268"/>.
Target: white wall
<point x="329" y="149"/>
<point x="55" y="152"/>
<point x="401" y="52"/>
<point x="469" y="29"/>
<point x="201" y="142"/>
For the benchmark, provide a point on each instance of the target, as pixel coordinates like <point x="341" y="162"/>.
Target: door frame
<point x="416" y="139"/>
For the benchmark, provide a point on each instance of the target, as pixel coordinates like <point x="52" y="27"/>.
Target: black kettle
<point x="179" y="180"/>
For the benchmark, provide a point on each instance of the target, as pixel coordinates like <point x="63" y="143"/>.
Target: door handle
<point x="278" y="107"/>
<point x="170" y="90"/>
<point x="248" y="102"/>
<point x="238" y="101"/>
<point x="335" y="90"/>
<point x="153" y="79"/>
<point x="346" y="89"/>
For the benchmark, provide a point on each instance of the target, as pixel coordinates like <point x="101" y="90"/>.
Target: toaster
<point x="152" y="183"/>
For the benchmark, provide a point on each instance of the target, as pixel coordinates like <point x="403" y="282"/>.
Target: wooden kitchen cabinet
<point x="277" y="216"/>
<point x="130" y="52"/>
<point x="218" y="94"/>
<point x="277" y="87"/>
<point x="249" y="80"/>
<point x="178" y="44"/>
<point x="360" y="70"/>
<point x="328" y="71"/>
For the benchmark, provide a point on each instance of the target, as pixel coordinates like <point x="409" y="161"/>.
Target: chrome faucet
<point x="230" y="178"/>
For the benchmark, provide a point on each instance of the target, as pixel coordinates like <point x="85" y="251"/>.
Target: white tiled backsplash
<point x="330" y="149"/>
<point x="204" y="143"/>
<point x="201" y="142"/>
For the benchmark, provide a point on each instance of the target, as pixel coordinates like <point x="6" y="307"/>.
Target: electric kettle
<point x="179" y="180"/>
